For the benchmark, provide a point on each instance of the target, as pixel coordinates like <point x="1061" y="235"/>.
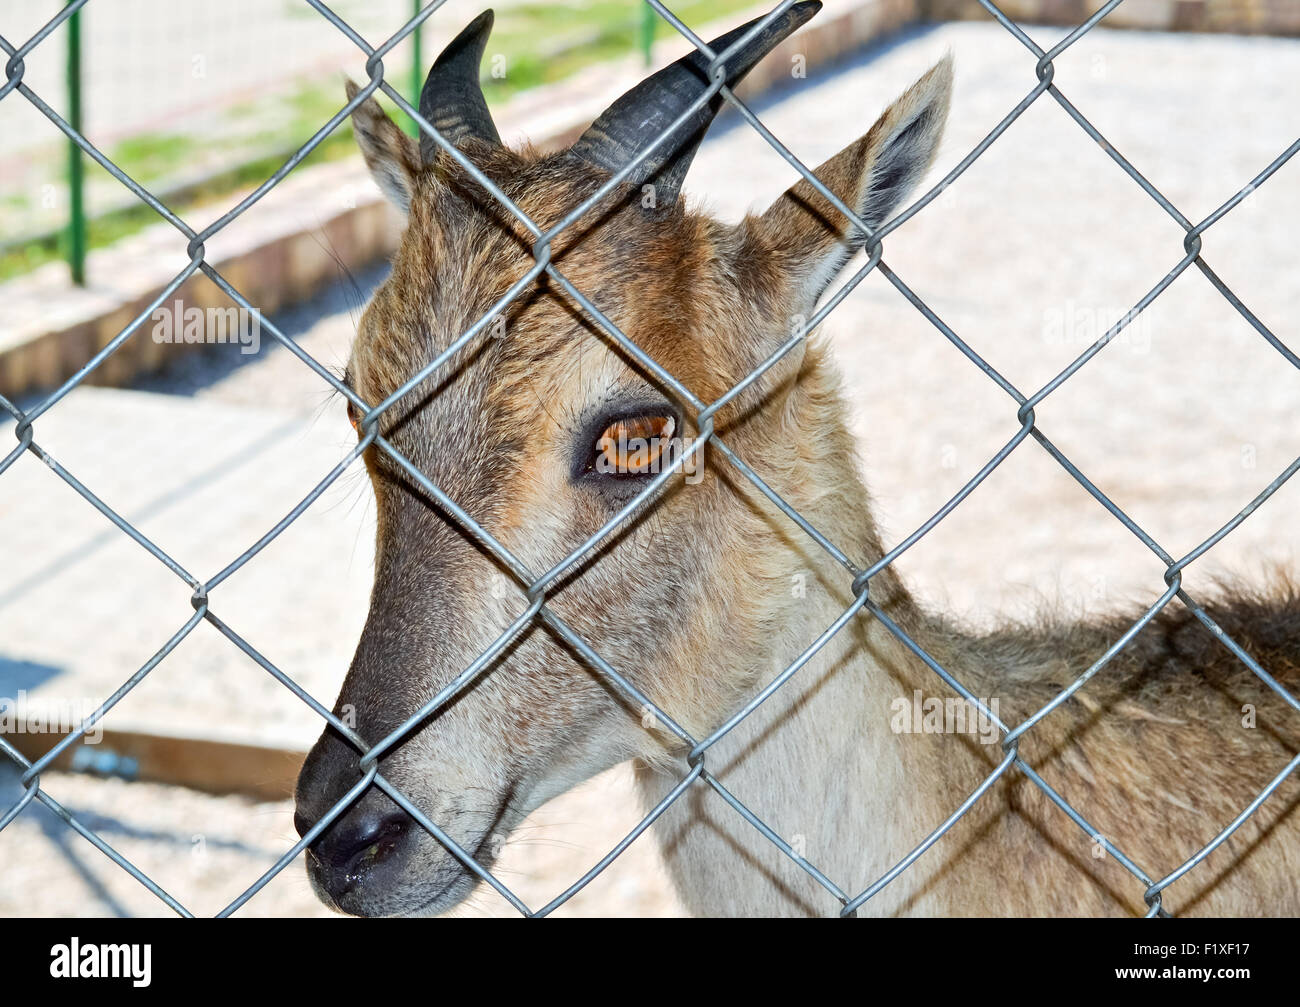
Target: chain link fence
<point x="534" y="586"/>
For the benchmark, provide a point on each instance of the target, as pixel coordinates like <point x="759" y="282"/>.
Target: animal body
<point x="545" y="427"/>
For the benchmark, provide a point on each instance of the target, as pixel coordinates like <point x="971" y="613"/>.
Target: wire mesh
<point x="534" y="586"/>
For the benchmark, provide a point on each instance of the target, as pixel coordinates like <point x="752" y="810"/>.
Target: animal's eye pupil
<point x="635" y="446"/>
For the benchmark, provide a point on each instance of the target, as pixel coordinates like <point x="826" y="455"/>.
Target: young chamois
<point x="530" y="429"/>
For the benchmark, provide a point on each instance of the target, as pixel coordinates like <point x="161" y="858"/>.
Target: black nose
<point x="364" y="839"/>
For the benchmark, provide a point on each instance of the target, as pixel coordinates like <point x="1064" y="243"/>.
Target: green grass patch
<point x="542" y="43"/>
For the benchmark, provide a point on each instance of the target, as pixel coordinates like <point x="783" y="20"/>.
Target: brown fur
<point x="692" y="599"/>
<point x="1153" y="750"/>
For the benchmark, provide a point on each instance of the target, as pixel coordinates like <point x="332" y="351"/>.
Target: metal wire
<point x="535" y="587"/>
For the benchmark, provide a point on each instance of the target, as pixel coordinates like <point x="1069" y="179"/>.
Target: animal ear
<point x="392" y="157"/>
<point x="812" y="240"/>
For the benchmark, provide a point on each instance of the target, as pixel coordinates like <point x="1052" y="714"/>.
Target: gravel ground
<point x="1030" y="256"/>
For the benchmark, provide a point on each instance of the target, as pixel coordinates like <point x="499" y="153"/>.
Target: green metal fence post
<point x="76" y="182"/>
<point x="649" y="21"/>
<point x="417" y="65"/>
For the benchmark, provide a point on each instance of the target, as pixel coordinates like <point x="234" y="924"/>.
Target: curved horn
<point x="634" y="121"/>
<point x="452" y="100"/>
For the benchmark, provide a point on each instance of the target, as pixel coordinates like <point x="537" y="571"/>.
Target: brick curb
<point x="1243" y="17"/>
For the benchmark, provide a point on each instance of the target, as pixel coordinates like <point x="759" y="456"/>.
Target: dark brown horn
<point x="633" y="122"/>
<point x="452" y="100"/>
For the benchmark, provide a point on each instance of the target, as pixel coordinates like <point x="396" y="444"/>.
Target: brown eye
<point x="635" y="446"/>
<point x="354" y="416"/>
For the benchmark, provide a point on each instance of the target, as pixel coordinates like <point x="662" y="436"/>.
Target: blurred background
<point x="196" y="99"/>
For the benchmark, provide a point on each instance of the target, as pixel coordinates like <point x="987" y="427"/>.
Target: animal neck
<point x="817" y="761"/>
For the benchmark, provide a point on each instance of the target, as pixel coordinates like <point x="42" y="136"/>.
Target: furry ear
<point x="392" y="157"/>
<point x="811" y="239"/>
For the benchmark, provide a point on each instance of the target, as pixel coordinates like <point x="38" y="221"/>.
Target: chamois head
<point x="542" y="428"/>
